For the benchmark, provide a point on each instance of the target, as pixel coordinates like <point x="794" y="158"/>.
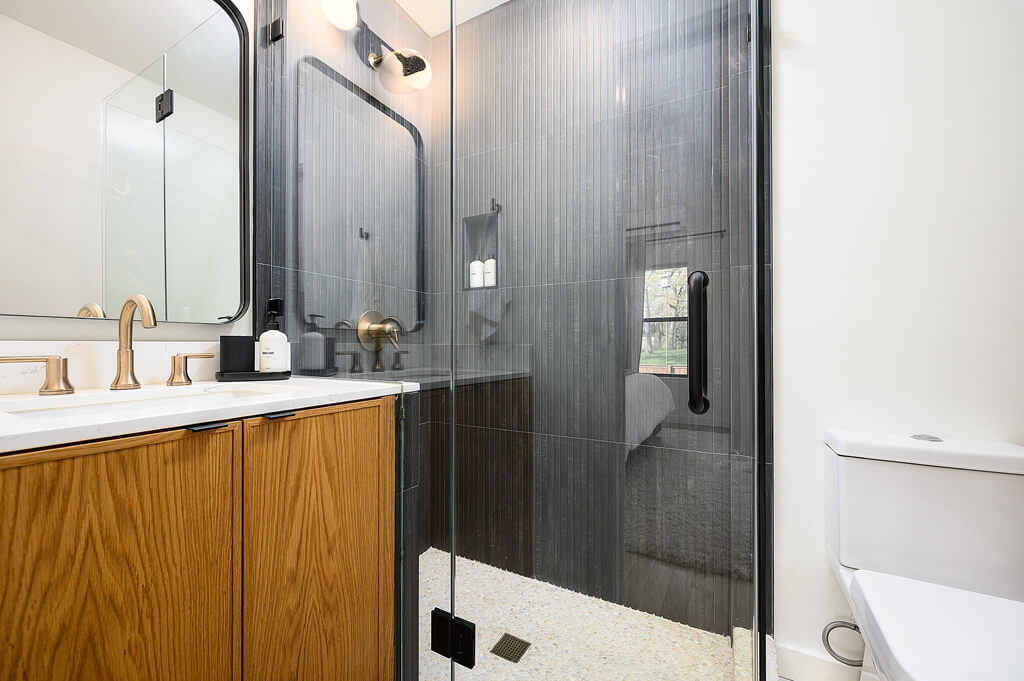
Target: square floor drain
<point x="510" y="648"/>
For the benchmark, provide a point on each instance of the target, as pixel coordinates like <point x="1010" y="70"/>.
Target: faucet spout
<point x="125" y="378"/>
<point x="124" y="326"/>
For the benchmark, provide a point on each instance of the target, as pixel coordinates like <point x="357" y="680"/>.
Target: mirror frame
<point x="245" y="116"/>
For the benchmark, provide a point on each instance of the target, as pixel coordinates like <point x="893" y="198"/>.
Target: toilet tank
<point x="948" y="512"/>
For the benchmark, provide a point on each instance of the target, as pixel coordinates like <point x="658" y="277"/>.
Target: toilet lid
<point x="925" y="632"/>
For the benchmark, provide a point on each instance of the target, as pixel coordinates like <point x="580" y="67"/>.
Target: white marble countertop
<point x="31" y="421"/>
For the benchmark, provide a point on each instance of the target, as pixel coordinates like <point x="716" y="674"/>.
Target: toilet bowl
<point x="925" y="539"/>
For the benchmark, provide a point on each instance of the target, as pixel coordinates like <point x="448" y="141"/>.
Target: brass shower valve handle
<point x="373" y="328"/>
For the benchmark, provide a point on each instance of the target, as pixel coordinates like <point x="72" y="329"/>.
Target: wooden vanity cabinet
<point x="319" y="544"/>
<point x="121" y="560"/>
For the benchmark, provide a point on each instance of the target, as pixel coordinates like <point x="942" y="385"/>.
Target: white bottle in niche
<point x="490" y="271"/>
<point x="476" y="274"/>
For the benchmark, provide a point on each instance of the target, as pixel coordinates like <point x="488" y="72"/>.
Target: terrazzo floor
<point x="573" y="636"/>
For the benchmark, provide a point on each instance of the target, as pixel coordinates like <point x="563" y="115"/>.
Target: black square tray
<point x="238" y="376"/>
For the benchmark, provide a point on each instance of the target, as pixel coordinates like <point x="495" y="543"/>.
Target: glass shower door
<point x="566" y="233"/>
<point x="600" y="478"/>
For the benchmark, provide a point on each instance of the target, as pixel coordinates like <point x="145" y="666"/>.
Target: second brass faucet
<point x="125" y="378"/>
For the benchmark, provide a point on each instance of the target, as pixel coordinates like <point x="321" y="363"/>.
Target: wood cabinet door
<point x="120" y="560"/>
<point x="319" y="544"/>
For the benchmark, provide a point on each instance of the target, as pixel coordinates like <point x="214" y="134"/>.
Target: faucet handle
<point x="395" y="321"/>
<point x="357" y="362"/>
<point x="398" y="366"/>
<point x="179" y="367"/>
<point x="56" y="381"/>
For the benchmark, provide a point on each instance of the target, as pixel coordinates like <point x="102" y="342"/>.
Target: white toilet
<point x="926" y="538"/>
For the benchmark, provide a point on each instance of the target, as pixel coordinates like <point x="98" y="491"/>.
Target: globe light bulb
<point x="342" y="13"/>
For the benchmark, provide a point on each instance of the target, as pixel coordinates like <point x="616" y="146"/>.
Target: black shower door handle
<point x="697" y="339"/>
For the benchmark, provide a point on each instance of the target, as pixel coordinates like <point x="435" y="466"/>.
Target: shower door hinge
<point x="164" y="105"/>
<point x="275" y="30"/>
<point x="453" y="637"/>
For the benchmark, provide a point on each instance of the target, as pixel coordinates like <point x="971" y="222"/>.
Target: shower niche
<point x="481" y="264"/>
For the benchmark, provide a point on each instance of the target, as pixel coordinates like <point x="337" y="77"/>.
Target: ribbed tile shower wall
<point x="586" y="120"/>
<point x="336" y="201"/>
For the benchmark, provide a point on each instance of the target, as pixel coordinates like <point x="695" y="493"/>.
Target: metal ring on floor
<point x="829" y="628"/>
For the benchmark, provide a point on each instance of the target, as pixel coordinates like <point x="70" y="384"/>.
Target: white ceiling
<point x="133" y="34"/>
<point x="434" y="16"/>
<point x="129" y="33"/>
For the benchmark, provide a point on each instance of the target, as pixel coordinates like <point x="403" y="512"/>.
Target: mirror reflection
<point x="120" y="163"/>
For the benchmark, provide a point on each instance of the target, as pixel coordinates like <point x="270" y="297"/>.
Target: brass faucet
<point x="56" y="382"/>
<point x="125" y="378"/>
<point x="373" y="327"/>
<point x="91" y="310"/>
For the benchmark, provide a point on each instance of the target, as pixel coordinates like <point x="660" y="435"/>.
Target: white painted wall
<point x="24" y="328"/>
<point x="898" y="248"/>
<point x="52" y="133"/>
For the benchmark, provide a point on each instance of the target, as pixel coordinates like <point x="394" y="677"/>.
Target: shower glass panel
<point x="596" y="516"/>
<point x="201" y="142"/>
<point x="560" y="480"/>
<point x="171" y="187"/>
<point x="133" y="192"/>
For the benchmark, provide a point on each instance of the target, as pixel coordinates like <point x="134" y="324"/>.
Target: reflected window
<point x="663" y="340"/>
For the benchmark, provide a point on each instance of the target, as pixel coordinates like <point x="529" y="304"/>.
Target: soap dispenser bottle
<point x="313" y="346"/>
<point x="273" y="344"/>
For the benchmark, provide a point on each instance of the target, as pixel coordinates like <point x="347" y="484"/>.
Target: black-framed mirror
<point x="124" y="158"/>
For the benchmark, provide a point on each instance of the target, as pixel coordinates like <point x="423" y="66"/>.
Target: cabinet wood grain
<point x="319" y="495"/>
<point x="121" y="560"/>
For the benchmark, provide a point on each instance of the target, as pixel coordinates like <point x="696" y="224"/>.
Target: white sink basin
<point x="149" y="398"/>
<point x="33" y="421"/>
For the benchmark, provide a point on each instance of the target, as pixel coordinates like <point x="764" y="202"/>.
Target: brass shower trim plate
<point x="367" y="319"/>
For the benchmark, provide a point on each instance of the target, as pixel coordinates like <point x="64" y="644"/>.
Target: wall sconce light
<point x="401" y="71"/>
<point x="342" y="13"/>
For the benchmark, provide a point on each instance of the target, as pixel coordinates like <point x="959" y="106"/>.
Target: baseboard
<point x="796" y="664"/>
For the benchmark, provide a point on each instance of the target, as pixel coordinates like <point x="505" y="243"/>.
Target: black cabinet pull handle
<point x="279" y="415"/>
<point x="207" y="426"/>
<point x="697" y="339"/>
